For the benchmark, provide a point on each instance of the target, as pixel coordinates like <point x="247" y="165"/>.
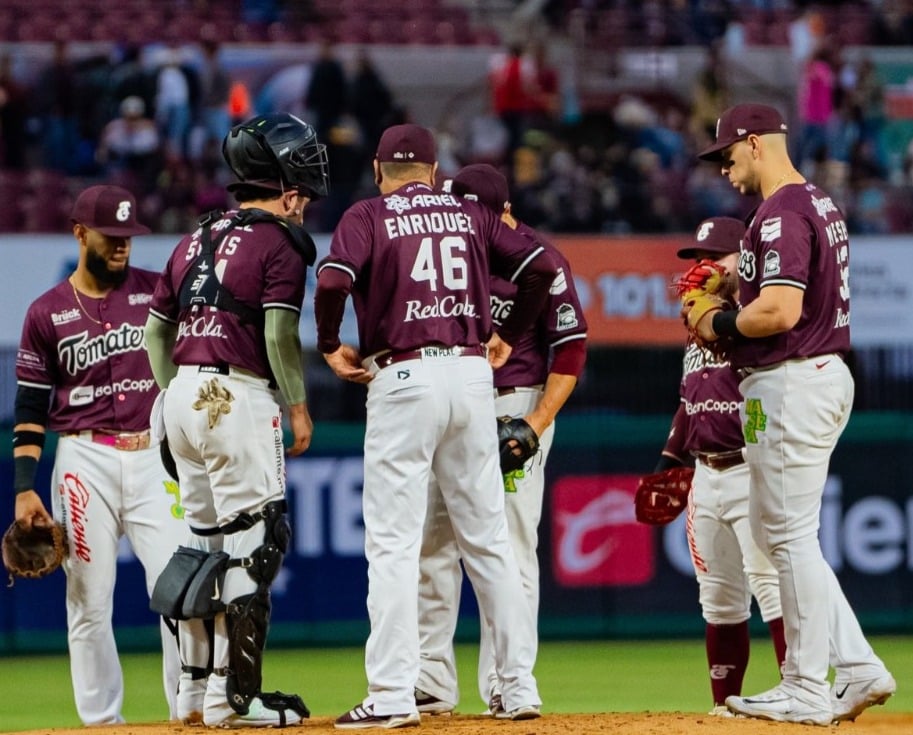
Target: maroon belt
<point x="390" y="358"/>
<point x="127" y="441"/>
<point x="720" y="460"/>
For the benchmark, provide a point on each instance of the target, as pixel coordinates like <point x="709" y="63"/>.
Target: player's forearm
<point x="532" y="292"/>
<point x="283" y="350"/>
<point x="777" y="309"/>
<point x="558" y="389"/>
<point x="160" y="339"/>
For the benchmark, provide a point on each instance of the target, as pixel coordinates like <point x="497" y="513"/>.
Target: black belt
<point x="505" y="391"/>
<point x="391" y="358"/>
<point x="720" y="460"/>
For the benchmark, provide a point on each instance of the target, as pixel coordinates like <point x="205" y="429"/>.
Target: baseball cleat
<point x="191" y="693"/>
<point x="258" y="715"/>
<point x="780" y="706"/>
<point x="362" y="716"/>
<point x="721" y="710"/>
<point x="850" y="698"/>
<point x="495" y="706"/>
<point x="527" y="712"/>
<point x="428" y="704"/>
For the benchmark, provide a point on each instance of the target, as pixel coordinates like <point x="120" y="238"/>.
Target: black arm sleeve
<point x="32" y="405"/>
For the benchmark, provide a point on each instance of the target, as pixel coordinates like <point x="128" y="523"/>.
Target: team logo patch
<point x="567" y="317"/>
<point x="559" y="285"/>
<point x="824" y="206"/>
<point x="771" y="263"/>
<point x="704" y="231"/>
<point x="771" y="229"/>
<point x="398" y="204"/>
<point x="215" y="398"/>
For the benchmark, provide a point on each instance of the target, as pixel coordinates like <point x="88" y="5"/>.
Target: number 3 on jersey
<point x="452" y="266"/>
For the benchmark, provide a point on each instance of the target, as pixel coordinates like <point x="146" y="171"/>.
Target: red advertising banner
<point x="596" y="541"/>
<point x="625" y="287"/>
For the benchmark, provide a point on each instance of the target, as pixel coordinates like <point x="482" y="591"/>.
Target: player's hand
<point x="31" y="511"/>
<point x="302" y="429"/>
<point x="346" y="363"/>
<point x="699" y="320"/>
<point x="498" y="351"/>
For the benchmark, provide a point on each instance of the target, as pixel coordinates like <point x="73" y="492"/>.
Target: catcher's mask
<point x="278" y="149"/>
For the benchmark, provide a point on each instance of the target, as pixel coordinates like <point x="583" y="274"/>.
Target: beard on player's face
<point x="97" y="265"/>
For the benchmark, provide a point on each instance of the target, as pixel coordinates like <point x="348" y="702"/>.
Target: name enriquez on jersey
<point x="427" y="223"/>
<point x="77" y="352"/>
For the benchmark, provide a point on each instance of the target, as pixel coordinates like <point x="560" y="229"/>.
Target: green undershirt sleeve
<point x="283" y="349"/>
<point x="160" y="339"/>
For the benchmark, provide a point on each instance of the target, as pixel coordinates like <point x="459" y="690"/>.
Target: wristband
<point x="24" y="479"/>
<point x="29" y="439"/>
<point x="724" y="325"/>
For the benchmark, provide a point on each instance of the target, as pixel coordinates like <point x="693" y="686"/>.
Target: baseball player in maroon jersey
<point x="534" y="383"/>
<point x="223" y="337"/>
<point x="417" y="264"/>
<point x="792" y="332"/>
<point x="82" y="372"/>
<point x="707" y="429"/>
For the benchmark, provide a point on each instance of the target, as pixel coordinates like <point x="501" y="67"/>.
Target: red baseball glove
<point x="662" y="496"/>
<point x="703" y="290"/>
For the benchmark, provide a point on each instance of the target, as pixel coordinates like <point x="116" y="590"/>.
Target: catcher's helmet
<point x="278" y="147"/>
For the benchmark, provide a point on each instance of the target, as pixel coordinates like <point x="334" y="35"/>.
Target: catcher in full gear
<point x="223" y="338"/>
<point x="706" y="432"/>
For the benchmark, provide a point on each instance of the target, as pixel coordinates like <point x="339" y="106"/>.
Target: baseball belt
<point x="391" y="358"/>
<point x="720" y="460"/>
<point x="126" y="441"/>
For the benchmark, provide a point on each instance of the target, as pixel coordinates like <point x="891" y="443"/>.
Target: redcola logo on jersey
<point x="596" y="539"/>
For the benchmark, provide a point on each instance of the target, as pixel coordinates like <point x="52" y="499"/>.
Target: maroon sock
<point x="727" y="657"/>
<point x="779" y="640"/>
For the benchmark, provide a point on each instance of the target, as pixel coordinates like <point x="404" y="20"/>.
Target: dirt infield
<point x="646" y="723"/>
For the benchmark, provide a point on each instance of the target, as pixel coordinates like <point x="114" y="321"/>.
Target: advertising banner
<point x="602" y="572"/>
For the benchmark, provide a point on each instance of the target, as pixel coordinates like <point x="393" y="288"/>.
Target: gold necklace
<point x="780" y="181"/>
<point x="80" y="305"/>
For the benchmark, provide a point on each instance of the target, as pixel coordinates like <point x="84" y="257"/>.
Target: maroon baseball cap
<point x="715" y="235"/>
<point x="484" y="183"/>
<point x="406" y="144"/>
<point x="738" y="122"/>
<point x="110" y="210"/>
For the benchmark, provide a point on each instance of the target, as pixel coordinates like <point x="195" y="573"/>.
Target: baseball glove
<point x="703" y="289"/>
<point x="34" y="552"/>
<point x="662" y="496"/>
<point x="517" y="442"/>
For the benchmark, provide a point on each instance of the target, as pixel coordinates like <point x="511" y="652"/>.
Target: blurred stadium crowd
<point x="150" y="115"/>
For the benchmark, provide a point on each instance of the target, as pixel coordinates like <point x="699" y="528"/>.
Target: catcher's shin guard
<point x="247" y="616"/>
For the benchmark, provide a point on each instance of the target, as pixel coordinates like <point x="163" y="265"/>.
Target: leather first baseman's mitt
<point x="33" y="552"/>
<point x="703" y="290"/>
<point x="517" y="442"/>
<point x="662" y="496"/>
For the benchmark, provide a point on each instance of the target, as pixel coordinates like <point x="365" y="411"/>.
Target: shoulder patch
<point x="771" y="229"/>
<point x="559" y="285"/>
<point x="771" y="263"/>
<point x="567" y="317"/>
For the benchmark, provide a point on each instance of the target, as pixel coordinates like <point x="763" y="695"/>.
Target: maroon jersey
<point x="797" y="237"/>
<point x="560" y="321"/>
<point x="259" y="266"/>
<point x="91" y="354"/>
<point x="420" y="263"/>
<point x="711" y="399"/>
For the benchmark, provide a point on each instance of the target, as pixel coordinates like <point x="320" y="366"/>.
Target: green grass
<point x="592" y="676"/>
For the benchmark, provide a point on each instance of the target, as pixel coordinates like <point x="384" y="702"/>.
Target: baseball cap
<point x="738" y="122"/>
<point x="110" y="210"/>
<point x="406" y="144"/>
<point x="715" y="235"/>
<point x="482" y="182"/>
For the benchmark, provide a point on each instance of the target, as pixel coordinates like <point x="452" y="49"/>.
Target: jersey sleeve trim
<point x="568" y="338"/>
<point x="783" y="282"/>
<point x="281" y="305"/>
<point x="159" y="315"/>
<point x="39" y="386"/>
<point x="338" y="266"/>
<point x="533" y="255"/>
